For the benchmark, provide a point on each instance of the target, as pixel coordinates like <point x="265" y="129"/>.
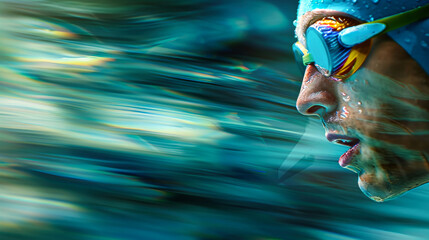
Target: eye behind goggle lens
<point x="325" y="50"/>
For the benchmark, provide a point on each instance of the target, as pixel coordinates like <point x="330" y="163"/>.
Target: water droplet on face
<point x="295" y="23"/>
<point x="359" y="103"/>
<point x="344" y="113"/>
<point x="424" y="44"/>
<point x="360" y="111"/>
<point x="304" y="87"/>
<point x="346" y="98"/>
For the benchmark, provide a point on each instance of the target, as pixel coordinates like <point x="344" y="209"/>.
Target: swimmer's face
<point x="382" y="113"/>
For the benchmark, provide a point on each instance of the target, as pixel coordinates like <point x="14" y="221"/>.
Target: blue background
<point x="170" y="120"/>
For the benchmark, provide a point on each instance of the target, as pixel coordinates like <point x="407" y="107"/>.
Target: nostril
<point x="314" y="109"/>
<point x="316" y="102"/>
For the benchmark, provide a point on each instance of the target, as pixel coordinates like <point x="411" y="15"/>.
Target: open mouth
<point x="346" y="158"/>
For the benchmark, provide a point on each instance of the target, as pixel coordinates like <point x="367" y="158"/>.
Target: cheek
<point x="371" y="104"/>
<point x="359" y="105"/>
<point x="362" y="94"/>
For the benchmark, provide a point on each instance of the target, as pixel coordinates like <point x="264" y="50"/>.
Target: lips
<point x="346" y="158"/>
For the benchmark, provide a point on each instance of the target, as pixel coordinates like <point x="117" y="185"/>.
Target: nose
<point x="317" y="95"/>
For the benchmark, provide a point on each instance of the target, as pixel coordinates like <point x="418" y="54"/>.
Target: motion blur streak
<point x="170" y="120"/>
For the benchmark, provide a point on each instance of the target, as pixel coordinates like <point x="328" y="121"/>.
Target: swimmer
<point x="366" y="75"/>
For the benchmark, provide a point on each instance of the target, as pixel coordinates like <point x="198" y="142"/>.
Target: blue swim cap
<point x="414" y="38"/>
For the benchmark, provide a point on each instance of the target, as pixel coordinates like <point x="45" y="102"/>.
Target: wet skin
<point x="384" y="105"/>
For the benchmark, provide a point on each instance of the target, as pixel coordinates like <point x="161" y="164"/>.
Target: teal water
<point x="170" y="120"/>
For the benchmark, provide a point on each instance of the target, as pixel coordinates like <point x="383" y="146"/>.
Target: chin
<point x="381" y="187"/>
<point x="385" y="175"/>
<point x="376" y="189"/>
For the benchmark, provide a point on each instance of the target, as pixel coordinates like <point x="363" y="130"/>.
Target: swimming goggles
<point x="338" y="49"/>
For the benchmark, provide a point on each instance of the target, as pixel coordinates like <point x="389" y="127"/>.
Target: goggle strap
<point x="352" y="36"/>
<point x="307" y="59"/>
<point x="403" y="19"/>
<point x="357" y="34"/>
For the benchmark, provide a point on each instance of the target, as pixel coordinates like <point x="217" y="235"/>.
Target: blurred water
<point x="170" y="120"/>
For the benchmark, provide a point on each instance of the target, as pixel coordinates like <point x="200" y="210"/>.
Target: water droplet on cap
<point x="366" y="5"/>
<point x="354" y="1"/>
<point x="407" y="40"/>
<point x="424" y="44"/>
<point x="375" y="1"/>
